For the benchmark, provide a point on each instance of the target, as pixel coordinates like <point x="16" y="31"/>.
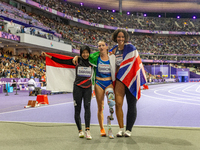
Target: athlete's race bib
<point x="104" y="68"/>
<point x="119" y="60"/>
<point x="84" y="71"/>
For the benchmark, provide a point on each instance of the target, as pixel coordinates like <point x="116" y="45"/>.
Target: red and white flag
<point x="59" y="77"/>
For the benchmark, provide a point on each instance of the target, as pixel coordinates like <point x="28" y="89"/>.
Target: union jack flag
<point x="131" y="71"/>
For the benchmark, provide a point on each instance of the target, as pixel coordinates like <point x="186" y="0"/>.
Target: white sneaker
<point x="120" y="133"/>
<point x="88" y="135"/>
<point x="127" y="133"/>
<point x="81" y="134"/>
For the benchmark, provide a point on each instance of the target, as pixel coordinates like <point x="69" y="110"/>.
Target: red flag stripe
<point x="126" y="61"/>
<point x="139" y="93"/>
<point x="139" y="60"/>
<point x="60" y="56"/>
<point x="50" y="62"/>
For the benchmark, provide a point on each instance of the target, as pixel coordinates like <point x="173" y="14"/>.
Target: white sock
<point x="122" y="129"/>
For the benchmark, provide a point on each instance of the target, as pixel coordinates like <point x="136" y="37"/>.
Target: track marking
<point x="172" y="100"/>
<point x="156" y="92"/>
<point x="28" y="109"/>
<point x="170" y="96"/>
<point x="184" y="92"/>
<point x="197" y="89"/>
<point x="192" y="91"/>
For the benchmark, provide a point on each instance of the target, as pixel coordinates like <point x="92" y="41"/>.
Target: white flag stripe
<point x="138" y="83"/>
<point x="60" y="79"/>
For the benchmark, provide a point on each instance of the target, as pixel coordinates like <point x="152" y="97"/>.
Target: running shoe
<point x="88" y="135"/>
<point x="127" y="133"/>
<point x="120" y="133"/>
<point x="81" y="134"/>
<point x="103" y="132"/>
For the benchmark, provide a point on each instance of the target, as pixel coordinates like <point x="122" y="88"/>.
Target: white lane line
<point x="28" y="109"/>
<point x="165" y="86"/>
<point x="192" y="91"/>
<point x="184" y="95"/>
<point x="172" y="100"/>
<point x="177" y="98"/>
<point x="197" y="89"/>
<point x="167" y="95"/>
<point x="174" y="97"/>
<point x="39" y="122"/>
<point x="168" y="86"/>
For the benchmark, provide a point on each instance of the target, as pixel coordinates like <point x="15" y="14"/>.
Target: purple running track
<point x="176" y="104"/>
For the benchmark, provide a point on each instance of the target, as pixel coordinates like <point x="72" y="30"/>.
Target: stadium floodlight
<point x="113" y="10"/>
<point x="99" y="7"/>
<point x="194" y="17"/>
<point x="81" y="4"/>
<point x="145" y="15"/>
<point x="178" y="17"/>
<point x="128" y="13"/>
<point x="159" y="16"/>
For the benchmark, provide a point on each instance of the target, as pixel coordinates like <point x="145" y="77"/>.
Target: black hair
<point x="84" y="48"/>
<point x="116" y="32"/>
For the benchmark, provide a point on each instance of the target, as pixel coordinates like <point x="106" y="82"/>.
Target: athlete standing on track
<point x="104" y="74"/>
<point x="128" y="70"/>
<point x="82" y="88"/>
<point x="103" y="80"/>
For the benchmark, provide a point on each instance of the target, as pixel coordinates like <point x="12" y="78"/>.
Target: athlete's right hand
<point x="75" y="60"/>
<point x="46" y="55"/>
<point x="43" y="54"/>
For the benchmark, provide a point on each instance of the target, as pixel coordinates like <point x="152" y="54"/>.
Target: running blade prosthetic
<point x="109" y="118"/>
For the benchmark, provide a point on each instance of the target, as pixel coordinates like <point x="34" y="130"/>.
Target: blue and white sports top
<point x="103" y="68"/>
<point x="119" y="57"/>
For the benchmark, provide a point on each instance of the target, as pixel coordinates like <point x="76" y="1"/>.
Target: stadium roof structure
<point x="168" y="6"/>
<point x="7" y="43"/>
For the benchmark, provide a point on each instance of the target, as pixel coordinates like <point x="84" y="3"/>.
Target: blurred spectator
<point x="31" y="86"/>
<point x="22" y="29"/>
